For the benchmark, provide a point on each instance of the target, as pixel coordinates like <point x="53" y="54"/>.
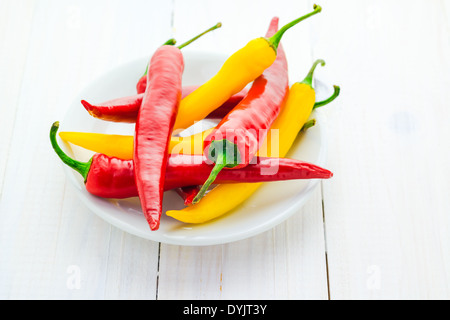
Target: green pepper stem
<point x="170" y="42"/>
<point x="308" y="124"/>
<point x="225" y="154"/>
<point x="335" y="94"/>
<point x="276" y="38"/>
<point x="80" y="167"/>
<point x="146" y="70"/>
<point x="309" y="77"/>
<point x="215" y="171"/>
<point x="218" y="25"/>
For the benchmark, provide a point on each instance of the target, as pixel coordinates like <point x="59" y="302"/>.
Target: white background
<point x="380" y="229"/>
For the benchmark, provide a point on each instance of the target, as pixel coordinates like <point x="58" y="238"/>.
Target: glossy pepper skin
<point x="122" y="146"/>
<point x="224" y="198"/>
<point x="126" y="109"/>
<point x="111" y="177"/>
<point x="141" y="85"/>
<point x="193" y="172"/>
<point x="188" y="193"/>
<point x="154" y="127"/>
<point x="237" y="138"/>
<point x="103" y="176"/>
<point x="241" y="68"/>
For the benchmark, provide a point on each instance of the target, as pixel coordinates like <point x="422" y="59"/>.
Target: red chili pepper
<point x="126" y="109"/>
<point x="154" y="126"/>
<point x="110" y="177"/>
<point x="188" y="193"/>
<point x="239" y="135"/>
<point x="142" y="83"/>
<point x="225" y="108"/>
<point x="191" y="170"/>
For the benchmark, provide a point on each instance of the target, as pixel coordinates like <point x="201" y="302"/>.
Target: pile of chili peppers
<point x="234" y="158"/>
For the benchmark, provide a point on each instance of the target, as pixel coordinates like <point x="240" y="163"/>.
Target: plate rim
<point x="92" y="202"/>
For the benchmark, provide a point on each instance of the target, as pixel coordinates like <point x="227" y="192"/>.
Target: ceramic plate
<point x="270" y="205"/>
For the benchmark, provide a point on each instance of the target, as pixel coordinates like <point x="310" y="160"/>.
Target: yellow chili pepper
<point x="112" y="145"/>
<point x="121" y="146"/>
<point x="296" y="111"/>
<point x="241" y="68"/>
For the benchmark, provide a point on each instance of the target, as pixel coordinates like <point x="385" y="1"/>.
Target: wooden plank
<point x="15" y="30"/>
<point x="289" y="260"/>
<point x="53" y="247"/>
<point x="386" y="211"/>
<point x="132" y="271"/>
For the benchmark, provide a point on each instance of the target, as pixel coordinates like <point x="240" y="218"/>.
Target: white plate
<point x="270" y="205"/>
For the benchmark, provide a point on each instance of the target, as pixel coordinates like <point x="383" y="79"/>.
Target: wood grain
<point x="15" y="37"/>
<point x="386" y="217"/>
<point x="262" y="267"/>
<point x="48" y="237"/>
<point x="378" y="230"/>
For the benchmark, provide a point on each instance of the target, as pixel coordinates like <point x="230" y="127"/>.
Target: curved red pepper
<point x="188" y="193"/>
<point x="237" y="138"/>
<point x="154" y="127"/>
<point x="142" y="84"/>
<point x="110" y="177"/>
<point x="126" y="109"/>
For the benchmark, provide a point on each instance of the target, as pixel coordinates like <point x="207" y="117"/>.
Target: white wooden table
<point x="380" y="229"/>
